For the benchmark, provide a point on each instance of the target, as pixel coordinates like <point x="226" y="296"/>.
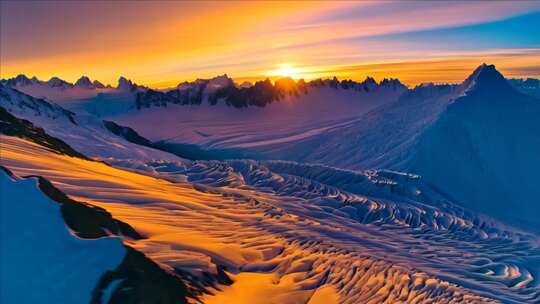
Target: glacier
<point x="384" y="195"/>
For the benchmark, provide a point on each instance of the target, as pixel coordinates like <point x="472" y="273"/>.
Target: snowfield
<point x="288" y="120"/>
<point x="476" y="141"/>
<point x="424" y="195"/>
<point x="387" y="237"/>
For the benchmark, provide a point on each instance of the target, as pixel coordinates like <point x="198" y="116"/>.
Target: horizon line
<point x="253" y="79"/>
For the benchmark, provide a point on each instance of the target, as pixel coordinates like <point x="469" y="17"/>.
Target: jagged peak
<point x="98" y="85"/>
<point x="224" y="76"/>
<point x="394" y="82"/>
<point x="22" y="77"/>
<point x="485" y="77"/>
<point x="220" y="81"/>
<point x="84" y="81"/>
<point x="123" y="79"/>
<point x="57" y="82"/>
<point x="20" y="80"/>
<point x="125" y="84"/>
<point x="370" y="79"/>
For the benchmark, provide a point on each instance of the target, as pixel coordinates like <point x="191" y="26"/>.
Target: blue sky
<point x="161" y="43"/>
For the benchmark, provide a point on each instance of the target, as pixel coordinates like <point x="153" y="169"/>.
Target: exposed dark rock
<point x="13" y="126"/>
<point x="56" y="82"/>
<point x="98" y="85"/>
<point x="142" y="281"/>
<point x="127" y="85"/>
<point x="127" y="133"/>
<point x="84" y="82"/>
<point x="85" y="220"/>
<point x="20" y="80"/>
<point x="260" y="94"/>
<point x="200" y="285"/>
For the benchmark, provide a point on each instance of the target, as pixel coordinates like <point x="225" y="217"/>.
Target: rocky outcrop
<point x="260" y="94"/>
<point x="13" y="126"/>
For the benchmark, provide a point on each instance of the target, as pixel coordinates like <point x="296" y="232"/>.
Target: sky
<point x="161" y="43"/>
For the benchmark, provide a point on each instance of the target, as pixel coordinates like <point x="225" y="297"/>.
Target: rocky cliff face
<point x="260" y="94"/>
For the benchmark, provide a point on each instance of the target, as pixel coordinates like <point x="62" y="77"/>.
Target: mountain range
<point x="324" y="191"/>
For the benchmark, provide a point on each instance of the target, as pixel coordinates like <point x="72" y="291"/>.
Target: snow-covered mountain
<point x="222" y="89"/>
<point x="356" y="126"/>
<point x="64" y="92"/>
<point x="477" y="141"/>
<point x="252" y="119"/>
<point x="392" y="195"/>
<point x="481" y="133"/>
<point x="83" y="132"/>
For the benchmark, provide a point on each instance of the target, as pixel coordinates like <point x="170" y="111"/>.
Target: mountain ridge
<point x="323" y="225"/>
<point x="22" y="80"/>
<point x="481" y="133"/>
<point x="85" y="81"/>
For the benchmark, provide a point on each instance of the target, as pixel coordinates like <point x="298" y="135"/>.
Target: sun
<point x="286" y="70"/>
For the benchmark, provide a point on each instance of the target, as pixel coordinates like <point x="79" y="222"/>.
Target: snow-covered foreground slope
<point x="41" y="260"/>
<point x="291" y="233"/>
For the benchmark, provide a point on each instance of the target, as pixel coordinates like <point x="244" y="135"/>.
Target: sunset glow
<point x="288" y="70"/>
<point x="269" y="152"/>
<point x="161" y="43"/>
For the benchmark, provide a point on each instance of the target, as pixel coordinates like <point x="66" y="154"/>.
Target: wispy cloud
<point x="172" y="41"/>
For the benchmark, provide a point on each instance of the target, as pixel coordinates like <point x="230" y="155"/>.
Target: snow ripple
<point x="375" y="237"/>
<point x="411" y="224"/>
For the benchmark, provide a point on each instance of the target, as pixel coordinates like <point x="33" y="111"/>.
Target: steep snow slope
<point x="477" y="142"/>
<point x="41" y="260"/>
<point x="487" y="143"/>
<point x="83" y="132"/>
<point x="292" y="232"/>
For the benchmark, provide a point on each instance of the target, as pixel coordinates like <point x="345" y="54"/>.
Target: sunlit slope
<point x="391" y="239"/>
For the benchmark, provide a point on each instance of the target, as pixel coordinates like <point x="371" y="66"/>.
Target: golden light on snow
<point x="212" y="224"/>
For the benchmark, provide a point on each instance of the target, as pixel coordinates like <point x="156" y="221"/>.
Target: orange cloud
<point x="166" y="42"/>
